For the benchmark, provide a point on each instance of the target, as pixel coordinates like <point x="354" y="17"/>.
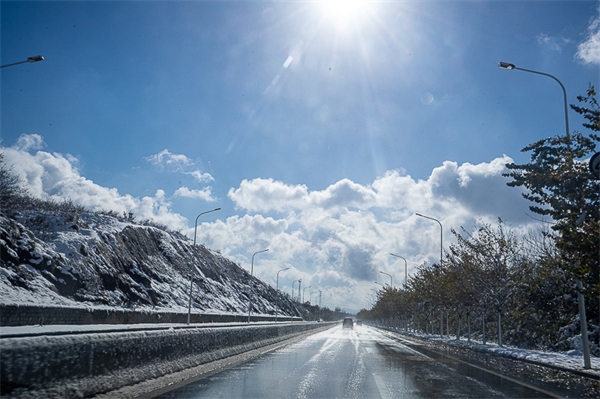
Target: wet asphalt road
<point x="352" y="363"/>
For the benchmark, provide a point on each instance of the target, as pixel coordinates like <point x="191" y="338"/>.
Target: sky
<point x="319" y="128"/>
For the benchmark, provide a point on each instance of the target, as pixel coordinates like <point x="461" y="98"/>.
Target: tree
<point x="492" y="255"/>
<point x="558" y="181"/>
<point x="11" y="190"/>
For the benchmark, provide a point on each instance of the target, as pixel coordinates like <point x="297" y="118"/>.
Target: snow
<point x="222" y="294"/>
<point x="38" y="330"/>
<point x="56" y="254"/>
<point x="570" y="360"/>
<point x="81" y="361"/>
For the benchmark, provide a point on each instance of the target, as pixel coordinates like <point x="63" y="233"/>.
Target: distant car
<point x="348" y="323"/>
<point x="358" y="322"/>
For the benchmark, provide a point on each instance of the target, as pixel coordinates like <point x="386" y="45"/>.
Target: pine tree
<point x="557" y="179"/>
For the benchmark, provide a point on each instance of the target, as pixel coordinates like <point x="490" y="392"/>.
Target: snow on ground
<point x="572" y="360"/>
<point x="100" y="328"/>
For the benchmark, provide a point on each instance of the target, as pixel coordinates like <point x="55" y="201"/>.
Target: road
<point x="363" y="362"/>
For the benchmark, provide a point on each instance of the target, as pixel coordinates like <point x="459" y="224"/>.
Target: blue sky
<point x="318" y="131"/>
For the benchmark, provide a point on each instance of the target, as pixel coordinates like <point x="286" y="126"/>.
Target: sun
<point x="344" y="12"/>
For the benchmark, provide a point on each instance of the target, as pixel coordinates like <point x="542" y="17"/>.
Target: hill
<point x="76" y="258"/>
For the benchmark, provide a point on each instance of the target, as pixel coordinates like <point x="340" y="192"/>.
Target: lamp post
<point x="441" y="235"/>
<point x="277" y="291"/>
<point x="250" y="285"/>
<point x="506" y="65"/>
<point x="30" y="59"/>
<point x="298" y="281"/>
<point x="192" y="265"/>
<point x="375" y="293"/>
<point x="391" y="278"/>
<point x="303" y="291"/>
<point x="580" y="298"/>
<point x="405" y="267"/>
<point x="379" y="284"/>
<point x="373" y="298"/>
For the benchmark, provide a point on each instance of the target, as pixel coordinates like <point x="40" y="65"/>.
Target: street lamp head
<point x="35" y="58"/>
<point x="506" y="65"/>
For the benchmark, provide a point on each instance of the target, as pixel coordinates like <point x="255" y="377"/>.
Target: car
<point x="348" y="322"/>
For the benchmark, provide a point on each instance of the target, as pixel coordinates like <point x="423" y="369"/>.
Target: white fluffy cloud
<point x="265" y="195"/>
<point x="30" y="142"/>
<point x="340" y="238"/>
<point x="205" y="194"/>
<point x="337" y="240"/>
<point x="589" y="50"/>
<point x="55" y="176"/>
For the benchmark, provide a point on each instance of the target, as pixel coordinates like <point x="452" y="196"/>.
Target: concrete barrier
<point x="75" y="366"/>
<point x="15" y="315"/>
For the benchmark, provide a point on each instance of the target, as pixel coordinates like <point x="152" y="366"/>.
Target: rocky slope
<point x="98" y="260"/>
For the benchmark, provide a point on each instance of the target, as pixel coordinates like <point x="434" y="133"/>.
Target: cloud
<point x="339" y="238"/>
<point x="178" y="163"/>
<point x="55" y="176"/>
<point x="165" y="157"/>
<point x="336" y="239"/>
<point x="264" y="195"/>
<point x="205" y="194"/>
<point x="30" y="142"/>
<point x="550" y="42"/>
<point x="589" y="51"/>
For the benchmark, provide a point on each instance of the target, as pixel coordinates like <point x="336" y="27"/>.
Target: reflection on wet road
<point x="344" y="363"/>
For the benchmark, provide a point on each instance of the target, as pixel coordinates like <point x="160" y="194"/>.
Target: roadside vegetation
<point x="496" y="284"/>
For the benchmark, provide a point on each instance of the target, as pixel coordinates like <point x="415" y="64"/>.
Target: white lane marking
<point x="398" y="341"/>
<point x="383" y="391"/>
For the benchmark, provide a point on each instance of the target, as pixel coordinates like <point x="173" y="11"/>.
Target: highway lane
<point x="353" y="363"/>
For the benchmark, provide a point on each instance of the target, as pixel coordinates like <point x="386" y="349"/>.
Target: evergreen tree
<point x="557" y="179"/>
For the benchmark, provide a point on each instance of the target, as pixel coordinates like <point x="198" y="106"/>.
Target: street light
<point x="303" y="291"/>
<point x="293" y="287"/>
<point x="277" y="291"/>
<point x="405" y="268"/>
<point x="506" y="65"/>
<point x="372" y="300"/>
<point x="391" y="278"/>
<point x="30" y="59"/>
<point x="441" y="235"/>
<point x="250" y="285"/>
<point x="192" y="266"/>
<point x="580" y="298"/>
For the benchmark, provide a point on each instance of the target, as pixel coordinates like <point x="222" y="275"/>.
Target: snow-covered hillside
<point x="98" y="260"/>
